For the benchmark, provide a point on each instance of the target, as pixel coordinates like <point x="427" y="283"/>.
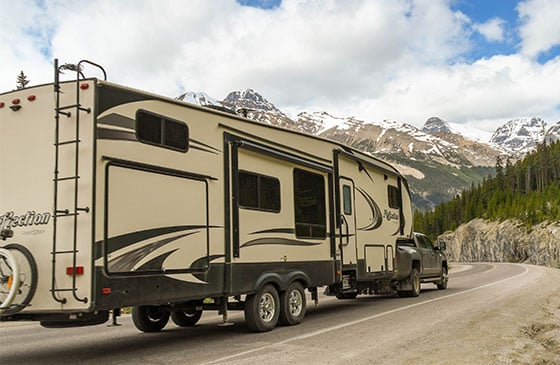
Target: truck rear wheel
<point x="149" y="318"/>
<point x="292" y="305"/>
<point x="442" y="285"/>
<point x="414" y="279"/>
<point x="262" y="309"/>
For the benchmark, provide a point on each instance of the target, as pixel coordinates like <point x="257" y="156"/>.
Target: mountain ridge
<point x="438" y="160"/>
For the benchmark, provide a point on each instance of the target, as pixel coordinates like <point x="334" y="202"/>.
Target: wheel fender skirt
<point x="405" y="284"/>
<point x="281" y="280"/>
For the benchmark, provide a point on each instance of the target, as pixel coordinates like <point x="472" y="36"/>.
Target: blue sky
<point x="262" y="4"/>
<point x="481" y="11"/>
<point x="478" y="63"/>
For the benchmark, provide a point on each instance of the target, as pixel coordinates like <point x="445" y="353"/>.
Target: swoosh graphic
<point x="276" y="230"/>
<point x="278" y="241"/>
<point x="128" y="260"/>
<point x="375" y="211"/>
<point x="118" y="242"/>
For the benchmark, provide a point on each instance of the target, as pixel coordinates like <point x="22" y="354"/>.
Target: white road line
<point x="365" y="319"/>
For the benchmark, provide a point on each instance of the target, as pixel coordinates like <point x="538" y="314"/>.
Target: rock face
<point x="507" y="241"/>
<point x="553" y="133"/>
<point x="436" y="125"/>
<point x="520" y="135"/>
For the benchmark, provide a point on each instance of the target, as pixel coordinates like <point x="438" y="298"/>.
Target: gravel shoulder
<point x="520" y="328"/>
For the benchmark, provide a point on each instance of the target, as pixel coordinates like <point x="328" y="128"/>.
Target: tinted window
<point x="424" y="241"/>
<point x="393" y="193"/>
<point x="148" y="128"/>
<point x="160" y="131"/>
<point x="309" y="205"/>
<point x="347" y="199"/>
<point x="259" y="192"/>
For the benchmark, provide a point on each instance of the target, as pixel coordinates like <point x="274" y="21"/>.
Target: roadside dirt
<point x="517" y="322"/>
<point x="538" y="341"/>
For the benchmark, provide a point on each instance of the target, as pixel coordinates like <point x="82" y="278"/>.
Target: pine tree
<point x="22" y="81"/>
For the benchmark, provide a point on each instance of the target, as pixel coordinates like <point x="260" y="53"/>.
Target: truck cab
<point x="420" y="261"/>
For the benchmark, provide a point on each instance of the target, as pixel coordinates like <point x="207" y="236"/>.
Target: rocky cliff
<point x="507" y="241"/>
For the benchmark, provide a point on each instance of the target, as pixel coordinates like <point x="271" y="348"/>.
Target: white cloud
<point x="492" y="30"/>
<point x="541" y="26"/>
<point x="486" y="93"/>
<point x="376" y="59"/>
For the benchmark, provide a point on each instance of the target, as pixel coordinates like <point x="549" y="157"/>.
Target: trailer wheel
<point x="27" y="277"/>
<point x="347" y="295"/>
<point x="149" y="318"/>
<point x="262" y="309"/>
<point x="442" y="285"/>
<point x="292" y="304"/>
<point x="186" y="318"/>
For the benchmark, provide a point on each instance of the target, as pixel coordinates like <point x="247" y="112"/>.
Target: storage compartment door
<point x="155" y="222"/>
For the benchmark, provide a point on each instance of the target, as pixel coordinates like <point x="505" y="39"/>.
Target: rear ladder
<point x="73" y="212"/>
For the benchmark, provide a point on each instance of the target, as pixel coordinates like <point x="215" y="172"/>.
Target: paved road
<point x="485" y="316"/>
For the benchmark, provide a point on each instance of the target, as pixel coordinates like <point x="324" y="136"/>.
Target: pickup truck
<point x="419" y="261"/>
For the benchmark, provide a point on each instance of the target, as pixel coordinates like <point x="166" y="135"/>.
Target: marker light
<point x="31" y="97"/>
<point x="2" y="104"/>
<point x="16" y="101"/>
<point x="84" y="86"/>
<point x="78" y="270"/>
<point x="106" y="291"/>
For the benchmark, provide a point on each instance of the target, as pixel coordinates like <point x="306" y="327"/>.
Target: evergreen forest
<point x="527" y="190"/>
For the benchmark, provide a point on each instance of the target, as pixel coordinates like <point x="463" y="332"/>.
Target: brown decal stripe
<point x="115" y="134"/>
<point x="279" y="241"/>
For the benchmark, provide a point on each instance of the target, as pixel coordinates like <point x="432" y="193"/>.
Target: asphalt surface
<point x="490" y="313"/>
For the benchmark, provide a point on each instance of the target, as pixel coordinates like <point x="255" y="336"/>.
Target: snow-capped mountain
<point x="253" y="105"/>
<point x="553" y="133"/>
<point x="439" y="160"/>
<point x="520" y="136"/>
<point x="436" y="125"/>
<point x="199" y="98"/>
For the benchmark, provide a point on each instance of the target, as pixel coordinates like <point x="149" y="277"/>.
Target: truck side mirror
<point x="441" y="245"/>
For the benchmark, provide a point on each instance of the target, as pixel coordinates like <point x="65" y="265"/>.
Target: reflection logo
<point x="31" y="218"/>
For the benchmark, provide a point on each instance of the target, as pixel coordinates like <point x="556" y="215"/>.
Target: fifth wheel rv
<point x="112" y="197"/>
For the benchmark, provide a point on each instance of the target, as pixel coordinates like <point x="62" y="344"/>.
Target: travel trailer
<point x="112" y="197"/>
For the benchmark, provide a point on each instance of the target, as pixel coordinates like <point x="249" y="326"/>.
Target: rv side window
<point x="160" y="131"/>
<point x="393" y="193"/>
<point x="259" y="192"/>
<point x="347" y="198"/>
<point x="309" y="205"/>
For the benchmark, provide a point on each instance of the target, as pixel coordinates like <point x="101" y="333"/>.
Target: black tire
<point x="186" y="318"/>
<point x="350" y="295"/>
<point x="442" y="285"/>
<point x="414" y="278"/>
<point x="27" y="277"/>
<point x="262" y="309"/>
<point x="149" y="318"/>
<point x="292" y="305"/>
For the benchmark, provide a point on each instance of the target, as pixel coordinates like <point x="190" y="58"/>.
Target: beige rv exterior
<point x="113" y="197"/>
